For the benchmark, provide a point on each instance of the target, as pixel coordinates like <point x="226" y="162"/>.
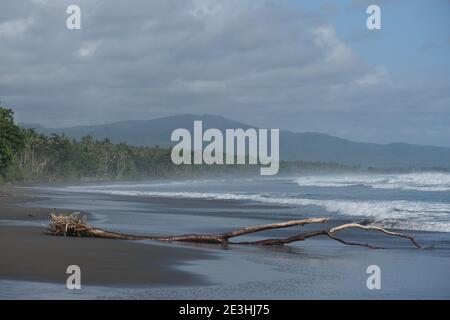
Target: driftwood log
<point x="75" y="225"/>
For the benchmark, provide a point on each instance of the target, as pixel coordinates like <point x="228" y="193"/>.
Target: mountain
<point x="293" y="146"/>
<point x="142" y="132"/>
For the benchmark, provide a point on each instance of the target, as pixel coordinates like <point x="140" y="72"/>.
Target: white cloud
<point x="378" y="75"/>
<point x="88" y="49"/>
<point x="15" y="28"/>
<point x="274" y="63"/>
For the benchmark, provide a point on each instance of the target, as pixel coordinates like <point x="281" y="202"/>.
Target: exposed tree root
<point x="75" y="225"/>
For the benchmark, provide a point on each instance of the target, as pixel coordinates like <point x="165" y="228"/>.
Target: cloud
<point x="263" y="62"/>
<point x="15" y="28"/>
<point x="87" y="49"/>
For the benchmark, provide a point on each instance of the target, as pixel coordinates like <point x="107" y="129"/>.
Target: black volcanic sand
<point x="318" y="268"/>
<point x="28" y="253"/>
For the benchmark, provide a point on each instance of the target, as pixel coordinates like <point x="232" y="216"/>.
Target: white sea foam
<point x="155" y="183"/>
<point x="421" y="181"/>
<point x="412" y="215"/>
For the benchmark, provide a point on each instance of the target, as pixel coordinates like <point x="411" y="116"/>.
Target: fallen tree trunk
<point x="75" y="225"/>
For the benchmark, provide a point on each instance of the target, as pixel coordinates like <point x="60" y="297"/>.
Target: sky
<point x="305" y="66"/>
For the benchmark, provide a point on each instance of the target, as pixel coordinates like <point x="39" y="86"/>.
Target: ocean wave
<point x="400" y="214"/>
<point x="423" y="181"/>
<point x="158" y="183"/>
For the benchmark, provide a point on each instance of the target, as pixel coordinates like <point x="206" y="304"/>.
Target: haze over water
<point x="414" y="201"/>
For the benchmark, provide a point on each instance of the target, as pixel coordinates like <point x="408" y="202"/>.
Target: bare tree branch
<point x="76" y="226"/>
<point x="334" y="230"/>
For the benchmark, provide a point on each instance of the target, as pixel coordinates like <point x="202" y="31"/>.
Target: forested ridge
<point x="28" y="156"/>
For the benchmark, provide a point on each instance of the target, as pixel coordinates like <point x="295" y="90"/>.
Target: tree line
<point x="26" y="155"/>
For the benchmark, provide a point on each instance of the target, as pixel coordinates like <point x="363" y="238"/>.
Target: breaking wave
<point x="423" y="181"/>
<point x="399" y="214"/>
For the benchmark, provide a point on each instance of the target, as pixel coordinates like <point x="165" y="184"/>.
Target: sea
<point x="409" y="201"/>
<point x="416" y="203"/>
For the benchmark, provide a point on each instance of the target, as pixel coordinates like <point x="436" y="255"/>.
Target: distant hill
<point x="293" y="146"/>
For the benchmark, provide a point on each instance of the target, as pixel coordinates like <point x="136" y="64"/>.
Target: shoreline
<point x="28" y="254"/>
<point x="318" y="268"/>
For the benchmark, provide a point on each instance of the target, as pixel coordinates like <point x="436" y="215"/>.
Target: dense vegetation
<point x="11" y="138"/>
<point x="26" y="155"/>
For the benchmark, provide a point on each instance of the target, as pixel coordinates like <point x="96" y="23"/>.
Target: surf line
<point x="189" y="150"/>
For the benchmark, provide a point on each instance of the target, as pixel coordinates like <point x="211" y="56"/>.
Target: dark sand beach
<point x="28" y="253"/>
<point x="33" y="264"/>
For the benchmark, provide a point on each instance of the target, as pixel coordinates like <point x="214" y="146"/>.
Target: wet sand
<point x="28" y="253"/>
<point x="318" y="268"/>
